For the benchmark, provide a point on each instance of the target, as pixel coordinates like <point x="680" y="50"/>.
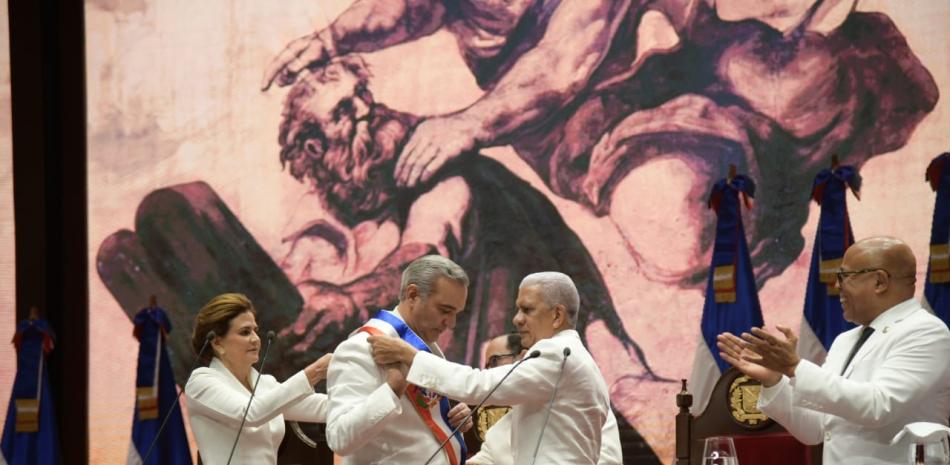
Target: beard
<point x="354" y="174"/>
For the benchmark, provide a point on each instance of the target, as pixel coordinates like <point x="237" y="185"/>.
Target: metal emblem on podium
<point x="743" y="400"/>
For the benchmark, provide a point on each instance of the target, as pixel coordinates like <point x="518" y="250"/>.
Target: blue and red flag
<point x="29" y="434"/>
<point x="732" y="299"/>
<point x="156" y="395"/>
<point x="937" y="287"/>
<point x="823" y="318"/>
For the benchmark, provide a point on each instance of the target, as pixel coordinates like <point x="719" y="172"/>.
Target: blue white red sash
<point x="431" y="407"/>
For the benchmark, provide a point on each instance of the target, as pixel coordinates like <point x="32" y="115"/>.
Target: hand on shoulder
<point x="317" y="371"/>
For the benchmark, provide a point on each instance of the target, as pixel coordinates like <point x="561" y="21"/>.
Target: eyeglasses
<point x="845" y="275"/>
<point x="496" y="360"/>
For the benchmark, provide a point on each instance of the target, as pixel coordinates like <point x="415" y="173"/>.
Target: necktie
<point x="865" y="334"/>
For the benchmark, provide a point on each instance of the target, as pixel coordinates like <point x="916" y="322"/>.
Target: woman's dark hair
<point x="216" y="316"/>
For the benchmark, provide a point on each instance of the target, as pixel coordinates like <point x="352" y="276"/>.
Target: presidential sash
<point x="431" y="407"/>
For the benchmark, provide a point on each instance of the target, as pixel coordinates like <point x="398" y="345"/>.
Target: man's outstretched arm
<point x="366" y="26"/>
<point x="542" y="81"/>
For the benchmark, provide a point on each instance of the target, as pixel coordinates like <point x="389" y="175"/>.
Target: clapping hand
<point x="735" y="352"/>
<point x="775" y="353"/>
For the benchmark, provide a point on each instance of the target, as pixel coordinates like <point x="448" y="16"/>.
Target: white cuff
<point x="768" y="394"/>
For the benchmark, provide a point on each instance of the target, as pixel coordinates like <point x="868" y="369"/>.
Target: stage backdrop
<point x="7" y="243"/>
<point x="530" y="135"/>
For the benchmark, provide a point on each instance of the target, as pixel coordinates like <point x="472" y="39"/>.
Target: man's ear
<point x="883" y="282"/>
<point x="412" y="291"/>
<point x="560" y="317"/>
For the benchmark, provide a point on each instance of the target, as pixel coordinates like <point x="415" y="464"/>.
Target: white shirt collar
<point x="564" y="333"/>
<point x="895" y="314"/>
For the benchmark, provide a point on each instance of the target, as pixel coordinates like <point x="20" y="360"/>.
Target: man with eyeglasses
<point x="503" y="350"/>
<point x="889" y="371"/>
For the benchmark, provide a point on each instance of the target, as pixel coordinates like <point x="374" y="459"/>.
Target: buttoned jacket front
<point x="216" y="403"/>
<point x="899" y="376"/>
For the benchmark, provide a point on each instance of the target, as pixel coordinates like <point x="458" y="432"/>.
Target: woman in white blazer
<point x="217" y="395"/>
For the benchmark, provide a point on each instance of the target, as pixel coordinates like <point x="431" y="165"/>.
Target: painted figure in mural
<point x="690" y="86"/>
<point x="773" y="87"/>
<point x="335" y="137"/>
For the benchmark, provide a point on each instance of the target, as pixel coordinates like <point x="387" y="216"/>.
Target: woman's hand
<point x="317" y="371"/>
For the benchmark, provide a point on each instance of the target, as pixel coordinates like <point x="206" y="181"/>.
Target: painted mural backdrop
<point x="7" y="238"/>
<point x="304" y="152"/>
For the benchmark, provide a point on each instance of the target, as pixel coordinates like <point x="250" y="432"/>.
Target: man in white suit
<point x="374" y="416"/>
<point x="889" y="371"/>
<point x="548" y="306"/>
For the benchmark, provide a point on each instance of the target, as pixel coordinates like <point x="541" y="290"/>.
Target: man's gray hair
<point x="425" y="271"/>
<point x="556" y="288"/>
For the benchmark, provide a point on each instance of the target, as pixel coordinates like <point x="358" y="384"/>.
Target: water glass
<point x="719" y="450"/>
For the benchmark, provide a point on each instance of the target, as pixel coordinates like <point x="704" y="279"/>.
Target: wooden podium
<point x="732" y="412"/>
